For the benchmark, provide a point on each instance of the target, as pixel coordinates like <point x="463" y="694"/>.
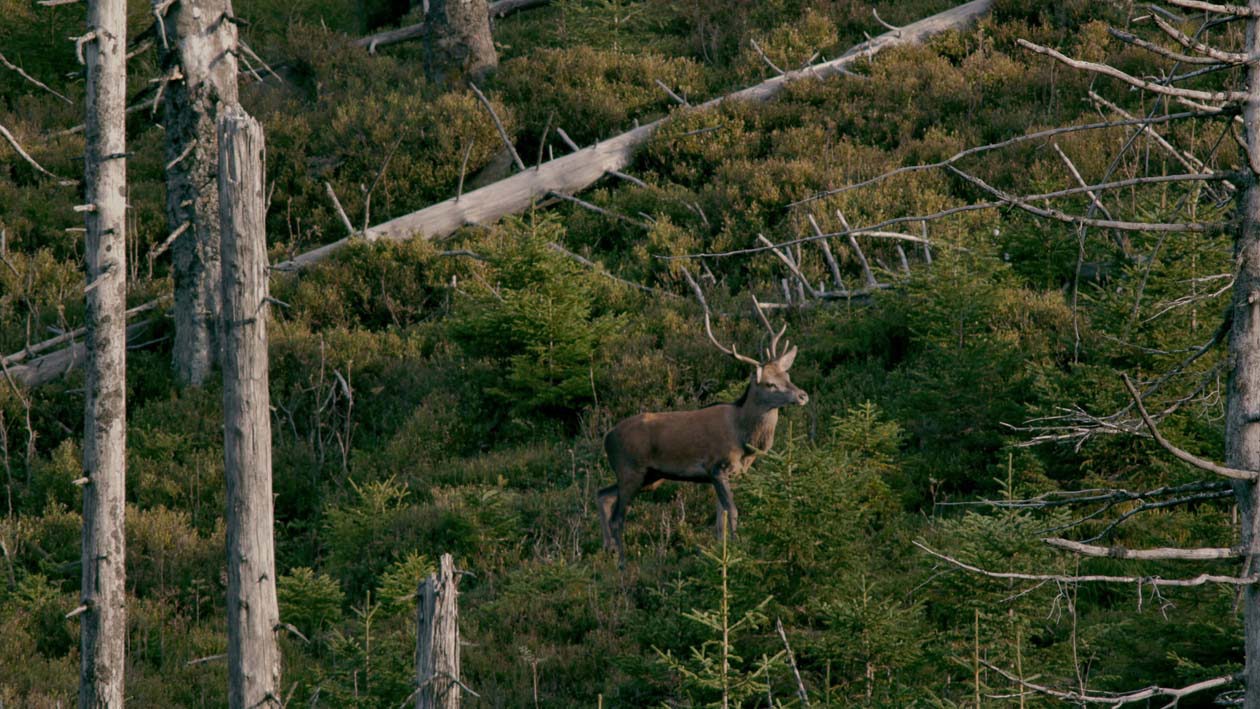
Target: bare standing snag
<point x="702" y="446"/>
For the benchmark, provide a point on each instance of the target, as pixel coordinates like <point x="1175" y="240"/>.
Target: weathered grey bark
<point x="402" y="34"/>
<point x="1242" y="423"/>
<point x="103" y="610"/>
<point x="197" y="46"/>
<point x="437" y="639"/>
<point x="457" y="41"/>
<point x="253" y="616"/>
<point x="579" y="170"/>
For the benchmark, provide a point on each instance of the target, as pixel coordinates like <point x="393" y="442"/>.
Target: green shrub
<point x="535" y="321"/>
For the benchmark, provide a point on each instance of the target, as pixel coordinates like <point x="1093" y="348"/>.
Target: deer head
<point x="769" y="387"/>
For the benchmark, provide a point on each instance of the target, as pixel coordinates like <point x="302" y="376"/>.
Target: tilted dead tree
<point x="197" y="45"/>
<point x="103" y="607"/>
<point x="564" y="175"/>
<point x="253" y="614"/>
<point x="457" y="41"/>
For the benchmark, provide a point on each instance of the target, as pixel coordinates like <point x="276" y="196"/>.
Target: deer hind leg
<point x="606" y="499"/>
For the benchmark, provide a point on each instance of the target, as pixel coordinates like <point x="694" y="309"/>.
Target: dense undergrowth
<point x="428" y="402"/>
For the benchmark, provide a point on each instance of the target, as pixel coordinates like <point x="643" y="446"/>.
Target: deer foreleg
<point x="727" y="513"/>
<point x="606" y="499"/>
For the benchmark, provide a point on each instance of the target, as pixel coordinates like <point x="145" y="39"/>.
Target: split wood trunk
<point x="103" y="610"/>
<point x="437" y="639"/>
<point x="457" y="41"/>
<point x="197" y="47"/>
<point x="1242" y="426"/>
<point x="577" y="171"/>
<point x="253" y="616"/>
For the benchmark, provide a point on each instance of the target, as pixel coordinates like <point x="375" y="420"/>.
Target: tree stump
<point x="457" y="41"/>
<point x="437" y="639"/>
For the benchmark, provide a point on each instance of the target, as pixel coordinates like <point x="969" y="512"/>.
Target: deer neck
<point x="755" y="425"/>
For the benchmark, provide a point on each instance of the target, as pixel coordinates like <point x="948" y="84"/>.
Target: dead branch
<point x="1179" y="454"/>
<point x="708" y="324"/>
<point x="1187" y="160"/>
<point x="1023" y="203"/>
<point x="1062" y="498"/>
<point x="25" y="155"/>
<point x="1200" y="112"/>
<point x="599" y="210"/>
<point x="1185" y="40"/>
<point x="1199" y="580"/>
<point x="520" y="165"/>
<point x="32" y="79"/>
<point x="800" y="685"/>
<point x="764" y="58"/>
<point x="679" y="99"/>
<point x="1159" y="553"/>
<point x="1120" y="699"/>
<point x="857" y="251"/>
<point x="341" y="212"/>
<point x="1107" y="70"/>
<point x="598" y="268"/>
<point x="1164" y="52"/>
<point x="1235" y="10"/>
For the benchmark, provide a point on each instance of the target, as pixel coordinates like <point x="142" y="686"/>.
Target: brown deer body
<point x="706" y="445"/>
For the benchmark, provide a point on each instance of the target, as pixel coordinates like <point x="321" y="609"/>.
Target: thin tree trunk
<point x="103" y="610"/>
<point x="197" y="46"/>
<point x="437" y="639"/>
<point x="253" y="616"/>
<point x="457" y="41"/>
<point x="1242" y="427"/>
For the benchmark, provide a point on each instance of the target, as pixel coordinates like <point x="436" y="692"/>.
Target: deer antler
<point x="772" y="352"/>
<point x="708" y="325"/>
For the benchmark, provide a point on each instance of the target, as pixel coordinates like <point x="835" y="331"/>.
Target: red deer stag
<point x="707" y="445"/>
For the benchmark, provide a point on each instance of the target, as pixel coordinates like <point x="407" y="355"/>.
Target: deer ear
<point x="786" y="360"/>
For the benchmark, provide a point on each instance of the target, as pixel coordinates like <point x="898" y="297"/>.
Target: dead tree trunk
<point x="457" y="41"/>
<point x="197" y="44"/>
<point x="253" y="616"/>
<point x="437" y="640"/>
<point x="1242" y="426"/>
<point x="103" y="609"/>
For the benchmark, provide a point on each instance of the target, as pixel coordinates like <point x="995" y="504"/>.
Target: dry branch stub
<point x="437" y="639"/>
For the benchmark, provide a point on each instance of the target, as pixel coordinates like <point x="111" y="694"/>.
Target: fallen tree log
<point x="577" y="171"/>
<point x="55" y="365"/>
<point x="402" y="34"/>
<point x="569" y="174"/>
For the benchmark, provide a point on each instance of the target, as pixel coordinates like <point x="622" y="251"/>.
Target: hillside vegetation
<point x="428" y="402"/>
